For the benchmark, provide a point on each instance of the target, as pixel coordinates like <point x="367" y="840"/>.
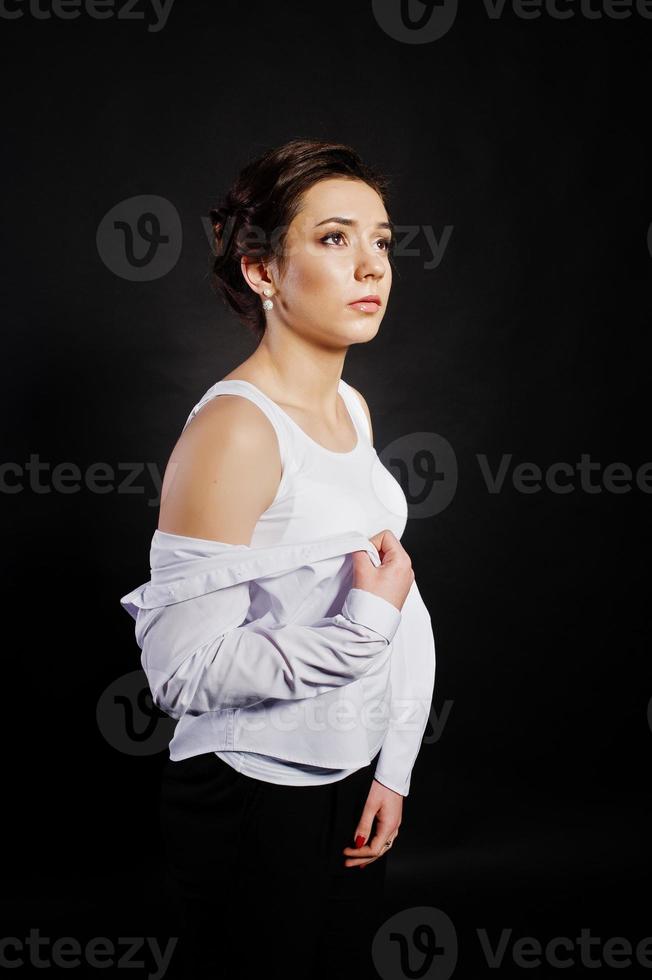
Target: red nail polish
<point x="359" y="841"/>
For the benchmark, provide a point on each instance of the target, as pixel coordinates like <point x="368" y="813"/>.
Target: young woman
<point x="279" y="864"/>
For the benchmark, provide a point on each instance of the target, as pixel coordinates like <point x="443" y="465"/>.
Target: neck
<point x="298" y="373"/>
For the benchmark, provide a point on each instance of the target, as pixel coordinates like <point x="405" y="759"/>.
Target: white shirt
<point x="269" y="649"/>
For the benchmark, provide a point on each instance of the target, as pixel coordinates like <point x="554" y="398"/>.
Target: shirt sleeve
<point x="199" y="654"/>
<point x="412" y="678"/>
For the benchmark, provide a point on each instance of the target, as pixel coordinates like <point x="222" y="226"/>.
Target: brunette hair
<point x="254" y="215"/>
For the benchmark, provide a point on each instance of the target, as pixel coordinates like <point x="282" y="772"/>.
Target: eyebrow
<point x="350" y="221"/>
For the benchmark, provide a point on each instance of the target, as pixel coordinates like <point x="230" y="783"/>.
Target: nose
<point x="369" y="263"/>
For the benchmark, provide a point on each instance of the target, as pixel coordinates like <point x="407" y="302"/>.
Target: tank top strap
<point x="354" y="406"/>
<point x="236" y="386"/>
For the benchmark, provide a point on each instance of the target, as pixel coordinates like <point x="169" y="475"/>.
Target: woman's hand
<point x="393" y="578"/>
<point x="387" y="807"/>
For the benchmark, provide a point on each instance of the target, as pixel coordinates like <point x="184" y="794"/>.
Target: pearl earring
<point x="267" y="304"/>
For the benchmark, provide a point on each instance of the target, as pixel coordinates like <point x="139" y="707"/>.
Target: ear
<point x="255" y="274"/>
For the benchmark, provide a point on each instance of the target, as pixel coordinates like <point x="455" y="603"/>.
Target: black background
<point x="529" y="137"/>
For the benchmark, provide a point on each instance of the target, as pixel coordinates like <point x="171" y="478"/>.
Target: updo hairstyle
<point x="255" y="214"/>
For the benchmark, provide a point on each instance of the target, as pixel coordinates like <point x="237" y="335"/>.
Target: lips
<point x="367" y="299"/>
<point x="368" y="304"/>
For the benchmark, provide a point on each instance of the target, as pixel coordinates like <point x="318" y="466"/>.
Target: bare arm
<point x="223" y="473"/>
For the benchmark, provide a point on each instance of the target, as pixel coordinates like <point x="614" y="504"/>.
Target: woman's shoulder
<point x="223" y="472"/>
<point x="232" y="415"/>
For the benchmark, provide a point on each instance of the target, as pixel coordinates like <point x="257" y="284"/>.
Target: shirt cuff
<point x="402" y="789"/>
<point x="371" y="610"/>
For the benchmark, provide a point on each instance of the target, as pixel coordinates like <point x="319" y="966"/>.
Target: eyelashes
<point x="387" y="242"/>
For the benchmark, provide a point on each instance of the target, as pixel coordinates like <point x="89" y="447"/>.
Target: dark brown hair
<point x="256" y="212"/>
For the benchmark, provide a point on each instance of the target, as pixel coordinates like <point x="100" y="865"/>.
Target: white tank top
<point x="321" y="492"/>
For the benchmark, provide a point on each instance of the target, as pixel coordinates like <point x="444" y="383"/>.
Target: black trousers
<point x="256" y="873"/>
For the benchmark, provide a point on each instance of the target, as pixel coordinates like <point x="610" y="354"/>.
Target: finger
<point x="361" y="557"/>
<point x="360" y="863"/>
<point x="384" y="541"/>
<point x="362" y="832"/>
<point x="384" y="831"/>
<point x="383" y="840"/>
<point x="363" y="862"/>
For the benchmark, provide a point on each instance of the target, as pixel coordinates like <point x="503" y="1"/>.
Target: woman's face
<point x="336" y="252"/>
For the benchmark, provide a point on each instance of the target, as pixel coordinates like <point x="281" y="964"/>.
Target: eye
<point x="331" y="234"/>
<point x="388" y="243"/>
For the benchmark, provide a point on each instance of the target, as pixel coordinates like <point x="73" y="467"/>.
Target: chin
<point x="362" y="331"/>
